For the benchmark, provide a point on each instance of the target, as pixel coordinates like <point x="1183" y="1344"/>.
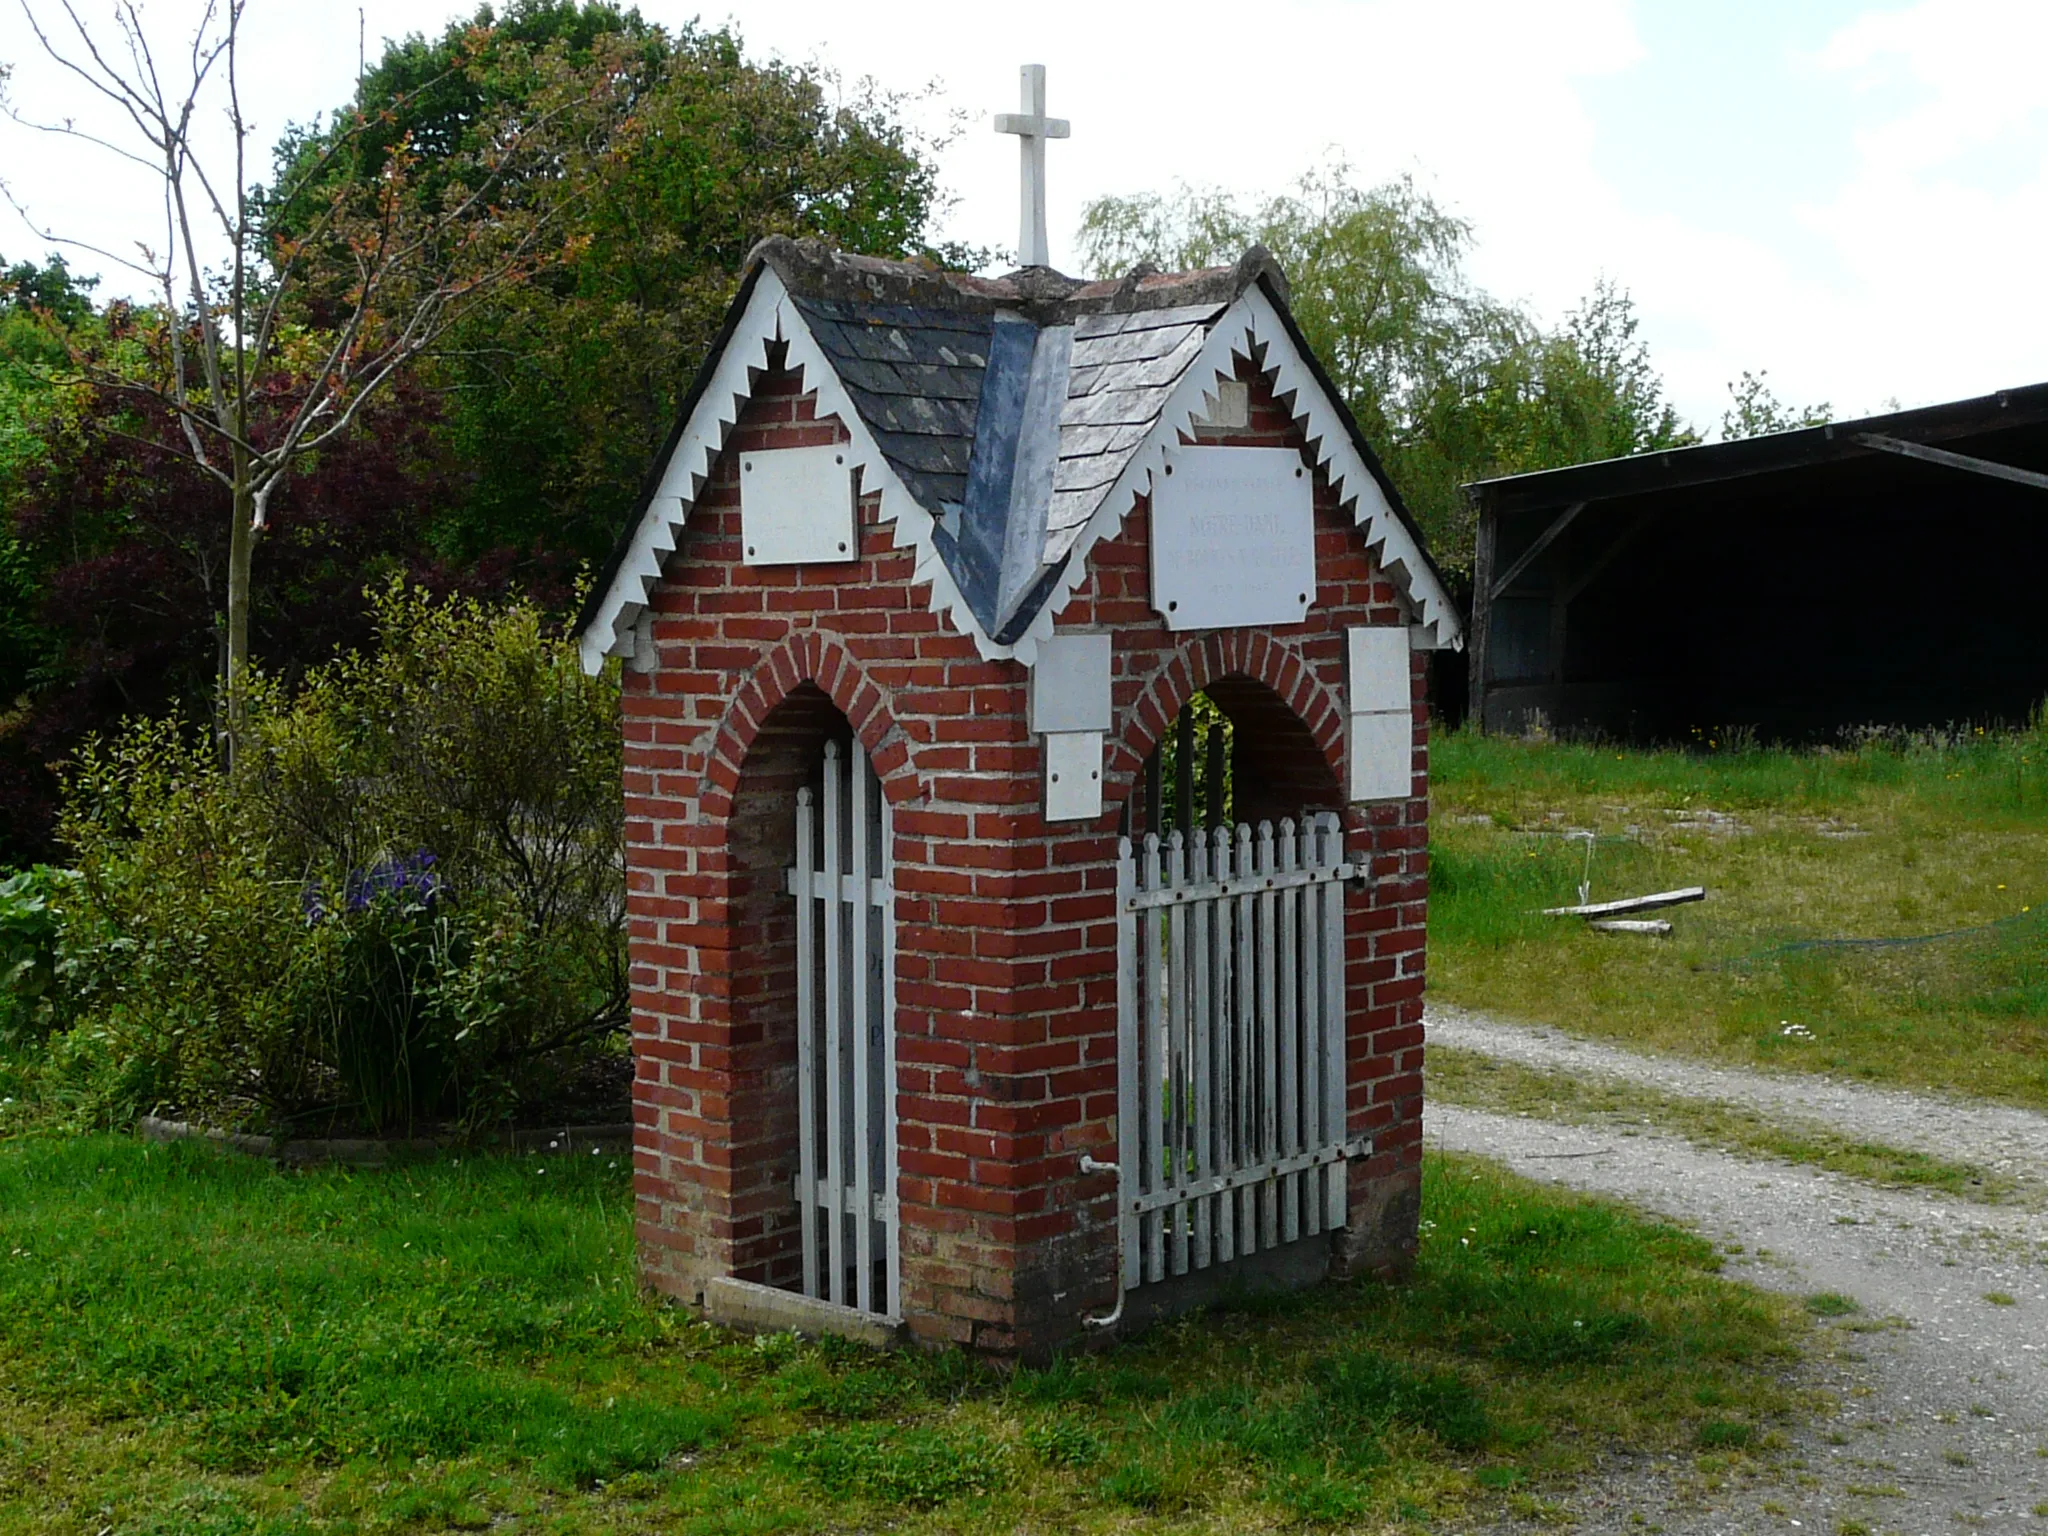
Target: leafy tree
<point x="388" y="261"/>
<point x="121" y="553"/>
<point x="1449" y="384"/>
<point x="26" y="288"/>
<point x="1533" y="399"/>
<point x="561" y="392"/>
<point x="509" y="457"/>
<point x="1377" y="285"/>
<point x="1754" y="410"/>
<point x="39" y="306"/>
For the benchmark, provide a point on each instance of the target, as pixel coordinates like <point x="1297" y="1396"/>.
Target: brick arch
<point x="822" y="662"/>
<point x="1195" y="666"/>
<point x="800" y="693"/>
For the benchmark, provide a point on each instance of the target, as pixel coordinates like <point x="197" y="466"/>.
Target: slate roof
<point x="915" y="377"/>
<point x="1125" y="366"/>
<point x="946" y="371"/>
<point x="913" y="349"/>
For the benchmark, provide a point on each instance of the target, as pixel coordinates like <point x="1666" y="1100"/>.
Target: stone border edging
<point x="372" y="1151"/>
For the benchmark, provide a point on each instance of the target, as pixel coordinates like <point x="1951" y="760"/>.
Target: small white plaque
<point x="1381" y="750"/>
<point x="1378" y="657"/>
<point x="1070" y="684"/>
<point x="796" y="506"/>
<point x="1073" y="775"/>
<point x="1233" y="538"/>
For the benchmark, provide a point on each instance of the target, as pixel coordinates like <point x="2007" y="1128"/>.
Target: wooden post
<point x="1155" y="820"/>
<point x="835" y="1036"/>
<point x="1482" y="619"/>
<point x="807" y="1036"/>
<point x="1184" y="770"/>
<point x="1218" y="748"/>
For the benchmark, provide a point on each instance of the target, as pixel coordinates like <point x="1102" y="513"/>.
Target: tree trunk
<point x="241" y="560"/>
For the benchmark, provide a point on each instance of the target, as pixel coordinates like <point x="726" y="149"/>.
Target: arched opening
<point x="785" y="756"/>
<point x="1235" y="753"/>
<point x="813" y="1186"/>
<point x="1233" y="1138"/>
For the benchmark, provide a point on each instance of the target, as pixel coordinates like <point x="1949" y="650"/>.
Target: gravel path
<point x="1942" y="1394"/>
<point x="1940" y="1381"/>
<point x="2009" y="1142"/>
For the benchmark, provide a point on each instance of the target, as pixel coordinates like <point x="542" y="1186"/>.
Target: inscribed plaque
<point x="1233" y="538"/>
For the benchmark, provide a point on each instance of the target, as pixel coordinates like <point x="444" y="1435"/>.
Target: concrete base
<point x="764" y="1309"/>
<point x="1294" y="1266"/>
<point x="1379" y="1239"/>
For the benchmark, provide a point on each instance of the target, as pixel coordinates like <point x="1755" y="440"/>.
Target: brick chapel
<point x="1025" y="789"/>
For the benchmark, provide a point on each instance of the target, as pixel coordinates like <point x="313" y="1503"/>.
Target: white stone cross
<point x="1032" y="128"/>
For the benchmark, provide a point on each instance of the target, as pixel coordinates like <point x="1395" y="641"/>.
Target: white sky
<point x="1853" y="196"/>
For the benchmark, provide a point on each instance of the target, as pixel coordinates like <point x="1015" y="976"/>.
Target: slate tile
<point x="1112" y="407"/>
<point x="1090" y="326"/>
<point x="1077" y="441"/>
<point x="934" y="455"/>
<point x="1081" y="474"/>
<point x="1202" y="315"/>
<point x="1164" y="371"/>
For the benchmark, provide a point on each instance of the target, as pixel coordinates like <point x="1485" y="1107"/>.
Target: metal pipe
<point x="1114" y="1316"/>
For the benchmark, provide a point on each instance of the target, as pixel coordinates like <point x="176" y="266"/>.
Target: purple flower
<point x="410" y="880"/>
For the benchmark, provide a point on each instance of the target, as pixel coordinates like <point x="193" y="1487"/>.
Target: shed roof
<point x="1900" y="549"/>
<point x="1006" y="411"/>
<point x="1673" y="469"/>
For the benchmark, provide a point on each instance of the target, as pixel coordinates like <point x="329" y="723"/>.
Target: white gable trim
<point x="1250" y="323"/>
<point x="1351" y="478"/>
<point x="769" y="317"/>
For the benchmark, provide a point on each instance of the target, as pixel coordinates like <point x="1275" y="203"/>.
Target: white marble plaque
<point x="1073" y="775"/>
<point x="796" y="507"/>
<point x="1233" y="538"/>
<point x="1379" y="667"/>
<point x="1070" y="684"/>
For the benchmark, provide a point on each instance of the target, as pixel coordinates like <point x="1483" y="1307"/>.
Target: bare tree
<point x="280" y="312"/>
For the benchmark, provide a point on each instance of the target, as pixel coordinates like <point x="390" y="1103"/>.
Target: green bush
<point x="402" y="901"/>
<point x="30" y="929"/>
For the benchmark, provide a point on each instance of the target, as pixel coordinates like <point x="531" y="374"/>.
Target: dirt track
<point x="1943" y="1393"/>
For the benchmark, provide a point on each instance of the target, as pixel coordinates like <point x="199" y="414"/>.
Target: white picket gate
<point x="1230" y="1044"/>
<point x="846" y="1038"/>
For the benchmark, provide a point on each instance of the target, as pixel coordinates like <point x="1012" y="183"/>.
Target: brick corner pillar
<point x="1386" y="946"/>
<point x="1006" y="1020"/>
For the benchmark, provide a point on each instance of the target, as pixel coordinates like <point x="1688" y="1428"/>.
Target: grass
<point x="1832" y="1304"/>
<point x="1468" y="1077"/>
<point x="195" y="1343"/>
<point x="1895" y="840"/>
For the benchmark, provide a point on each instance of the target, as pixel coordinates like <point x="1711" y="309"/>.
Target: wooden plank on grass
<point x="1631" y="904"/>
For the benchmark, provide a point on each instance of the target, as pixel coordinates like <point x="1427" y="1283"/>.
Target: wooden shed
<point x="1881" y="571"/>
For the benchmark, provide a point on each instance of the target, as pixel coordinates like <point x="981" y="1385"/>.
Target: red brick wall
<point x="1005" y="983"/>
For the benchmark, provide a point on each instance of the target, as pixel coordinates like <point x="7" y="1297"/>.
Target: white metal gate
<point x="1230" y="1043"/>
<point x="846" y="1038"/>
